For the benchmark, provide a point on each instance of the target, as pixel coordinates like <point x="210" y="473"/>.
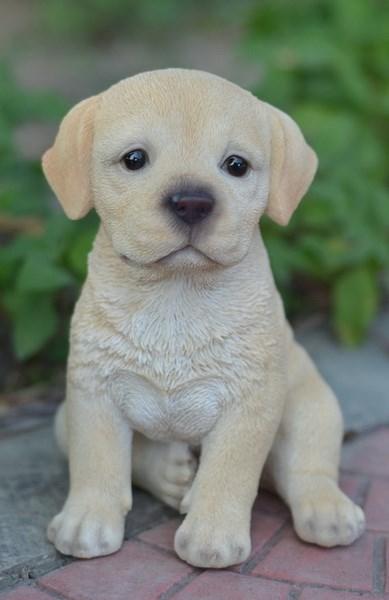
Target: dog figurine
<point x="179" y="339"/>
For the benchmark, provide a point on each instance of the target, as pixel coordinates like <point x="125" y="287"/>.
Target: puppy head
<point x="180" y="165"/>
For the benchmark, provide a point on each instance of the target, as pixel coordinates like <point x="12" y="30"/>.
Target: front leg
<point x="91" y="522"/>
<point x="216" y="531"/>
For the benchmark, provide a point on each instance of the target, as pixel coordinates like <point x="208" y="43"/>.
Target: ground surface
<point x="280" y="567"/>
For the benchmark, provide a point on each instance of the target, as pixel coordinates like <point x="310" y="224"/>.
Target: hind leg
<point x="166" y="470"/>
<point x="303" y="464"/>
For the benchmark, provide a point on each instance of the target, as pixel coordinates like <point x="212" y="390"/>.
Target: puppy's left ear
<point x="293" y="166"/>
<point x="66" y="164"/>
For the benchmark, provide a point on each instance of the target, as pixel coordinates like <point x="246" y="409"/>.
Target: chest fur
<point x="181" y="335"/>
<point x="174" y="365"/>
<point x="174" y="377"/>
<point x="186" y="413"/>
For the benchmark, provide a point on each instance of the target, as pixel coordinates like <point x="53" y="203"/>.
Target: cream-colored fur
<point x="179" y="338"/>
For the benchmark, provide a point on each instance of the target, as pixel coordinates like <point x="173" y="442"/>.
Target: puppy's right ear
<point x="66" y="164"/>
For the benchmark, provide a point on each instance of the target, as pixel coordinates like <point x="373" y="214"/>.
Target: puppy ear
<point x="66" y="164"/>
<point x="293" y="166"/>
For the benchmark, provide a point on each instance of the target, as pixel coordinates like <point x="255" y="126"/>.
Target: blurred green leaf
<point x="34" y="322"/>
<point x="39" y="274"/>
<point x="355" y="301"/>
<point x="78" y="251"/>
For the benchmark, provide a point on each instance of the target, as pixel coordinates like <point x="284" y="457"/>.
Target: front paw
<point x="87" y="529"/>
<point x="328" y="520"/>
<point x="202" y="542"/>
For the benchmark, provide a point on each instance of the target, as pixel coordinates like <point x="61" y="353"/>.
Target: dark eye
<point x="134" y="160"/>
<point x="236" y="166"/>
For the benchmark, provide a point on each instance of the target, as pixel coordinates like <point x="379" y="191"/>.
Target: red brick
<point x="377" y="505"/>
<point x="351" y="485"/>
<point x="26" y="593"/>
<point x="368" y="453"/>
<point x="344" y="567"/>
<point x="270" y="503"/>
<point x="137" y="571"/>
<point x="327" y="594"/>
<point x="162" y="535"/>
<point x="224" y="585"/>
<point x="263" y="527"/>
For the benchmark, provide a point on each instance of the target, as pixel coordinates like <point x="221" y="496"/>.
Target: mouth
<point x="186" y="256"/>
<point x="175" y="253"/>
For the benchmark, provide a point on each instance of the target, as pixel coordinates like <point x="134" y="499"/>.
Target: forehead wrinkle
<point x="194" y="110"/>
<point x="180" y="116"/>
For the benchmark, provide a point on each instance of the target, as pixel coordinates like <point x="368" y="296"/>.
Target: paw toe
<point x="179" y="474"/>
<point x="86" y="535"/>
<point x="200" y="548"/>
<point x="331" y="523"/>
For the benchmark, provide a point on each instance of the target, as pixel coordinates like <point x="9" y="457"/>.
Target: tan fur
<point x="175" y="348"/>
<point x="67" y="168"/>
<point x="293" y="166"/>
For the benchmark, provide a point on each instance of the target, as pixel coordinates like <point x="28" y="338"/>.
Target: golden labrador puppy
<point x="179" y="338"/>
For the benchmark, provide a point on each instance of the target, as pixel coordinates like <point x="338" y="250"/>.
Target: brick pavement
<point x="280" y="567"/>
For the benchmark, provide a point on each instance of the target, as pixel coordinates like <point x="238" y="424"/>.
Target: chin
<point x="185" y="259"/>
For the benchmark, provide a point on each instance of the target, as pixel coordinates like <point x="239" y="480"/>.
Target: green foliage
<point x="34" y="321"/>
<point x="326" y="63"/>
<point x="355" y="303"/>
<point x="99" y="20"/>
<point x="39" y="271"/>
<point x="37" y="274"/>
<point x="21" y="181"/>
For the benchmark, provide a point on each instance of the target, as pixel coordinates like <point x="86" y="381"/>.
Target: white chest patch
<point x="184" y="356"/>
<point x="188" y="413"/>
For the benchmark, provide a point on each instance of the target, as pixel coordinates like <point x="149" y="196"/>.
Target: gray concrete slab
<point x="33" y="487"/>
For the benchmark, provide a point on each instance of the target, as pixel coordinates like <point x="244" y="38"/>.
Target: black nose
<point x="191" y="208"/>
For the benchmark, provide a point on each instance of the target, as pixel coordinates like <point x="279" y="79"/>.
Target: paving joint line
<point x="50" y="592"/>
<point x="295" y="592"/>
<point x="252" y="562"/>
<point x="383" y="532"/>
<point x="161" y="549"/>
<point x="313" y="585"/>
<point x="181" y="584"/>
<point x="379" y="565"/>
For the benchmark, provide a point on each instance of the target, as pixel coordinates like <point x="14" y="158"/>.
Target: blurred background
<point x="326" y="62"/>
